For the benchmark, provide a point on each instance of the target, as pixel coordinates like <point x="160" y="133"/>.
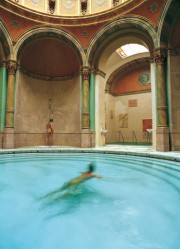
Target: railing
<point x="121" y="137"/>
<point x="134" y="138"/>
<point x="130" y="137"/>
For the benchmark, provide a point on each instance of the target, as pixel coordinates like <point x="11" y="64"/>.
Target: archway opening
<point x="49" y="85"/>
<point x="126" y="87"/>
<point x="128" y="91"/>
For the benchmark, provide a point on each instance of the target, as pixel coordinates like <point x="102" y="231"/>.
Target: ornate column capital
<point x="11" y="67"/>
<point x="159" y="55"/>
<point x="85" y="72"/>
<point x="2" y="63"/>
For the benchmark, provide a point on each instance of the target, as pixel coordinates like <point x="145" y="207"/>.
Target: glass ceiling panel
<point x="131" y="49"/>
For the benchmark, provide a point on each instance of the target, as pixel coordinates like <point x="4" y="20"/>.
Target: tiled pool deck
<point x="145" y="151"/>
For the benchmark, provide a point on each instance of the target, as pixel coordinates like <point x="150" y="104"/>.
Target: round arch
<point x="169" y="40"/>
<point x="117" y="33"/>
<point x="5" y="39"/>
<point x="49" y="32"/>
<point x="167" y="22"/>
<point x="136" y="62"/>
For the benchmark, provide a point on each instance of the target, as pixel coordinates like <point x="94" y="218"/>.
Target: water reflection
<point x="60" y="201"/>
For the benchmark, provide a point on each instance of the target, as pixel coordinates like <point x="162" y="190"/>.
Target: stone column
<point x="87" y="137"/>
<point x="162" y="131"/>
<point x="85" y="114"/>
<point x="92" y="101"/>
<point x="2" y="95"/>
<point x="8" y="141"/>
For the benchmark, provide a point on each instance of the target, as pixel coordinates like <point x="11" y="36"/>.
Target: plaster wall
<point x="100" y="109"/>
<point x="3" y="78"/>
<point x="37" y="101"/>
<point x="174" y="102"/>
<point x="2" y="111"/>
<point x="154" y="104"/>
<point x="135" y="116"/>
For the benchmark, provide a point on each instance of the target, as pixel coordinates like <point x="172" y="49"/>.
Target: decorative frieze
<point x="98" y="72"/>
<point x="48" y="78"/>
<point x="174" y="51"/>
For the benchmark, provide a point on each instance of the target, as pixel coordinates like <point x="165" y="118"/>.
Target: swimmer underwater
<point x="83" y="177"/>
<point x="74" y="183"/>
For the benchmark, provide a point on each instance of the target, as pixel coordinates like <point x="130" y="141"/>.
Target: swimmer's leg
<point x="65" y="186"/>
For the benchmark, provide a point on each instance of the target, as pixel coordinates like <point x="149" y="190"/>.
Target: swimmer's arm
<point x="93" y="175"/>
<point x="97" y="176"/>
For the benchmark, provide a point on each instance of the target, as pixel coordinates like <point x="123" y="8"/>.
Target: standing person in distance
<point x="49" y="132"/>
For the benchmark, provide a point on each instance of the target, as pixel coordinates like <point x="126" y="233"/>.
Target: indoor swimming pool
<point x="135" y="205"/>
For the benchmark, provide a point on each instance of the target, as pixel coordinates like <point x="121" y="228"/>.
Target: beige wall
<point x="32" y="109"/>
<point x="100" y="109"/>
<point x="174" y="102"/>
<point x="119" y="105"/>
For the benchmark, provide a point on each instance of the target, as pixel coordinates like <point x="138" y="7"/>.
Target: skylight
<point x="131" y="49"/>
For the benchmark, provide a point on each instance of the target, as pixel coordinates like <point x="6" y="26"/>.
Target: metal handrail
<point x="134" y="136"/>
<point x="121" y="136"/>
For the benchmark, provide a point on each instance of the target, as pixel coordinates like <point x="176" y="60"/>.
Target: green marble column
<point x="3" y="83"/>
<point x="92" y="102"/>
<point x="11" y="66"/>
<point x="85" y="113"/>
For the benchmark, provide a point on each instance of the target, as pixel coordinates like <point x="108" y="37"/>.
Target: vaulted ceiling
<point x="50" y="58"/>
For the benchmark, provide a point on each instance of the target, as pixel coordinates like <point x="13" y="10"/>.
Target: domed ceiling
<point x="50" y="58"/>
<point x="70" y="7"/>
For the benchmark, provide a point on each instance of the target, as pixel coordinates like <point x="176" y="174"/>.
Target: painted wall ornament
<point x="123" y="120"/>
<point x="69" y="4"/>
<point x="52" y="4"/>
<point x="144" y="78"/>
<point x="36" y="1"/>
<point x="100" y="2"/>
<point x="84" y="6"/>
<point x="84" y="33"/>
<point x="15" y="24"/>
<point x="154" y="7"/>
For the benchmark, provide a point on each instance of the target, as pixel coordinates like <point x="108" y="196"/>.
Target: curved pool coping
<point x="143" y="151"/>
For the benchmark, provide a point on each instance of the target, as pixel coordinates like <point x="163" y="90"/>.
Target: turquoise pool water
<point x="136" y="205"/>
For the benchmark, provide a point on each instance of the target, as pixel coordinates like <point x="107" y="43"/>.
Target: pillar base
<point x="162" y="139"/>
<point x="87" y="139"/>
<point x="9" y="138"/>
